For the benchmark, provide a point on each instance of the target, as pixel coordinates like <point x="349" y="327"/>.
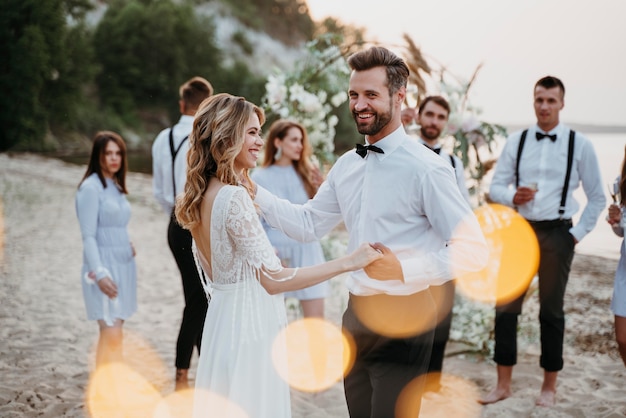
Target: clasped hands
<point x="386" y="267"/>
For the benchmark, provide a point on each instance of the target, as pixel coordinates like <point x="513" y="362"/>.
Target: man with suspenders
<point x="432" y="117"/>
<point x="537" y="173"/>
<point x="169" y="164"/>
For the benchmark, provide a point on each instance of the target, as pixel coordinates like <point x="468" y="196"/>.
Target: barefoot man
<point x="537" y="173"/>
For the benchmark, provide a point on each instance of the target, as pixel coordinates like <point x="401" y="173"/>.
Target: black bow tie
<point x="435" y="150"/>
<point x="362" y="149"/>
<point x="540" y="136"/>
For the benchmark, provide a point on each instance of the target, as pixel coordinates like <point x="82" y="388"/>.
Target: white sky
<point x="581" y="42"/>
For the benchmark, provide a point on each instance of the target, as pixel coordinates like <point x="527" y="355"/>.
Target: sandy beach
<point x="46" y="342"/>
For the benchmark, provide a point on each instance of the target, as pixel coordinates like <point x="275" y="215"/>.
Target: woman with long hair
<point x="617" y="220"/>
<point x="287" y="172"/>
<point x="245" y="277"/>
<point x="109" y="272"/>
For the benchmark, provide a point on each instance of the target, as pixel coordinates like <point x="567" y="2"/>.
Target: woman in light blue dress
<point x="288" y="173"/>
<point x="617" y="220"/>
<point x="108" y="272"/>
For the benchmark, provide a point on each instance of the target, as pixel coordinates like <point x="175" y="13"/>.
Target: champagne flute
<point x="614" y="191"/>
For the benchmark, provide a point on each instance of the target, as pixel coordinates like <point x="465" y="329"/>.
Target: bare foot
<point x="546" y="398"/>
<point x="495" y="395"/>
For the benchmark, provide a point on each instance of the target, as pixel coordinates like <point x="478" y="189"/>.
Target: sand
<point x="46" y="343"/>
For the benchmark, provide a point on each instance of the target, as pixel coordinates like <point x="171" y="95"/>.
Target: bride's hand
<point x="387" y="267"/>
<point x="364" y="255"/>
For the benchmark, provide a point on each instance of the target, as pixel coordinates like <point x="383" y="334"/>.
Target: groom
<point x="401" y="194"/>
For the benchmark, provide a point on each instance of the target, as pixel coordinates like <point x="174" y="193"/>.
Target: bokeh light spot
<point x="456" y="398"/>
<point x="180" y="404"/>
<point x="513" y="257"/>
<point x="318" y="354"/>
<point x="398" y="316"/>
<point x="143" y="358"/>
<point x="116" y="390"/>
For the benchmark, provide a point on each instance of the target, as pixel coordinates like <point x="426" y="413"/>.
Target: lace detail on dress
<point x="236" y="230"/>
<point x="240" y="249"/>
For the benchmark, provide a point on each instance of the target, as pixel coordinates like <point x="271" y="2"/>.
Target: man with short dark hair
<point x="537" y="173"/>
<point x="432" y="118"/>
<point x="169" y="165"/>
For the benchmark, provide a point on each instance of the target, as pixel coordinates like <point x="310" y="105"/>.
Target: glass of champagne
<point x="614" y="191"/>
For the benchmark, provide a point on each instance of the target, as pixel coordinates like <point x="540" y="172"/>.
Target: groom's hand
<point x="385" y="268"/>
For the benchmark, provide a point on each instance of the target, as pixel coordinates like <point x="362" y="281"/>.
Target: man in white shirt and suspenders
<point x="169" y="165"/>
<point x="537" y="173"/>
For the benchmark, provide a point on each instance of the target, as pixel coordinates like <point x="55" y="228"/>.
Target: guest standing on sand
<point x="288" y="173"/>
<point x="109" y="273"/>
<point x="537" y="173"/>
<point x="169" y="172"/>
<point x="617" y="220"/>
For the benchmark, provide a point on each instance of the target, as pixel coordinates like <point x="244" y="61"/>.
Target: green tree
<point x="30" y="44"/>
<point x="68" y="93"/>
<point x="40" y="73"/>
<point x="146" y="49"/>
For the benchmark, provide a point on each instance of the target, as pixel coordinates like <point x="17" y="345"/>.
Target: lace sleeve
<point x="246" y="232"/>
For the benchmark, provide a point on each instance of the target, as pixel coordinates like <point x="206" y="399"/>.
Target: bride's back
<point x="202" y="233"/>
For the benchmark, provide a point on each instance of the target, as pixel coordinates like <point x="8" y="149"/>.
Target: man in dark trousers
<point x="169" y="165"/>
<point x="537" y="173"/>
<point x="392" y="190"/>
<point x="432" y="118"/>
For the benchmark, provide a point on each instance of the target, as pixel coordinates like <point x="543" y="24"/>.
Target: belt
<point x="553" y="223"/>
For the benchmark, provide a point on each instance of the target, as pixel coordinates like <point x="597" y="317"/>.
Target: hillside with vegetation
<point x="73" y="67"/>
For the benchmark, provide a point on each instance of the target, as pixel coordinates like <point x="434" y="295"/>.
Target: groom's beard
<point x="380" y="121"/>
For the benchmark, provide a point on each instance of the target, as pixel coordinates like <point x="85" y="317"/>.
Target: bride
<point x="246" y="278"/>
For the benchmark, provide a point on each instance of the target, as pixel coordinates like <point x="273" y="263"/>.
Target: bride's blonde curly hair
<point x="218" y="134"/>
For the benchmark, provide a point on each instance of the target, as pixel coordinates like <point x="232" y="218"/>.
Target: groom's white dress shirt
<point x="406" y="198"/>
<point x="459" y="169"/>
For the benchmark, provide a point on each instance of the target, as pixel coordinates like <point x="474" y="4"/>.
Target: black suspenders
<point x="570" y="159"/>
<point x="174" y="153"/>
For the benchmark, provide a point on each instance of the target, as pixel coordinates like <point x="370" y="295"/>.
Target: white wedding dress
<point x="243" y="321"/>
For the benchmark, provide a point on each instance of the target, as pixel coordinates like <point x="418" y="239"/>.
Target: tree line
<point x="64" y="77"/>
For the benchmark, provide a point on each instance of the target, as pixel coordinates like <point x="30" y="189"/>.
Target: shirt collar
<point x="421" y="141"/>
<point x="558" y="129"/>
<point x="186" y="120"/>
<point x="389" y="143"/>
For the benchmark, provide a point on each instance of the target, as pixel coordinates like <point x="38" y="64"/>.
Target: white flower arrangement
<point x="474" y="140"/>
<point x="310" y="92"/>
<point x="472" y="324"/>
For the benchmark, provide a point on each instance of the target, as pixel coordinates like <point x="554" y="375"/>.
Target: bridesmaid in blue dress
<point x="288" y="173"/>
<point x="617" y="220"/>
<point x="108" y="272"/>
